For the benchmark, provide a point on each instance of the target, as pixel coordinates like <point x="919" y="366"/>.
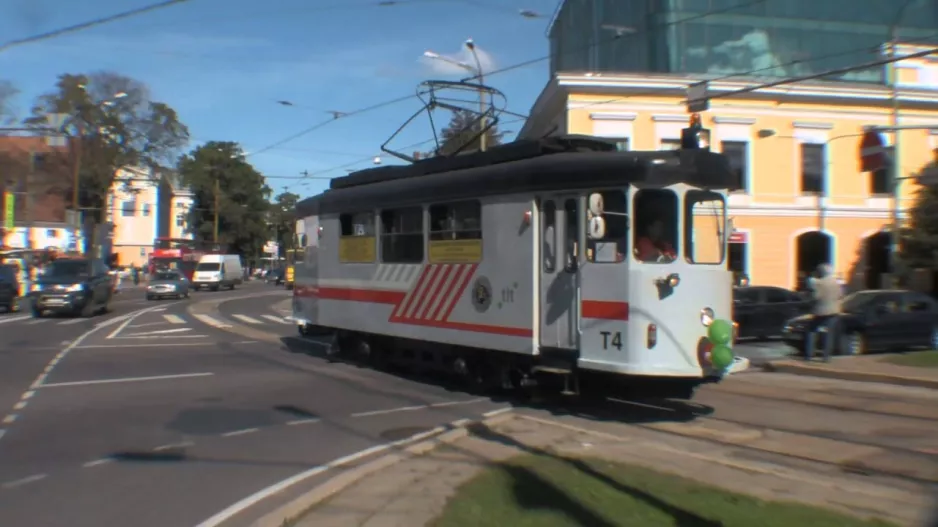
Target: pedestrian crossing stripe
<point x="168" y="318"/>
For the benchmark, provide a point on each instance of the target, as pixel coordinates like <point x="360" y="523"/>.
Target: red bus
<point x="176" y="253"/>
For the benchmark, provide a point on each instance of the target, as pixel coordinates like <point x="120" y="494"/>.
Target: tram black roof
<point x="556" y="163"/>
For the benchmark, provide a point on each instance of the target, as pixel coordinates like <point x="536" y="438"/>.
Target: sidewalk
<point x="411" y="487"/>
<point x="868" y="368"/>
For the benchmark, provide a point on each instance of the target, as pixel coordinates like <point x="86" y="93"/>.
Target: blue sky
<point x="224" y="64"/>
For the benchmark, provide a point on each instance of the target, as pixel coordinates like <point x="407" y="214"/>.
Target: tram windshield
<point x="656" y="226"/>
<point x="704" y="227"/>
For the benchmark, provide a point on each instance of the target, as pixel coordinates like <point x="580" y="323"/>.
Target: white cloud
<point x="448" y="64"/>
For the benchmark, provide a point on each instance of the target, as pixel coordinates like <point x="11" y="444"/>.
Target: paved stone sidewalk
<point x="869" y="368"/>
<point x="414" y="490"/>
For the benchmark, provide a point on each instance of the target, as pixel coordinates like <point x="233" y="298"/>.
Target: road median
<point x="861" y="369"/>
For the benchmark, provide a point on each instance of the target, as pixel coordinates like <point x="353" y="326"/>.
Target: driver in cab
<point x="653" y="247"/>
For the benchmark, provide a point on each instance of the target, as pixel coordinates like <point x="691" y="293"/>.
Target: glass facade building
<point x="758" y="38"/>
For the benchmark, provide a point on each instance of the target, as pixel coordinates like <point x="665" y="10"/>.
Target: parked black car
<point x="9" y="287"/>
<point x="276" y="276"/>
<point x="762" y="311"/>
<point x="876" y="320"/>
<point x="77" y="286"/>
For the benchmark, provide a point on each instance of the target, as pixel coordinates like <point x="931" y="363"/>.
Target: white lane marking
<point x="174" y="319"/>
<point x="302" y="422"/>
<point x="72" y="321"/>
<point x="493" y="413"/>
<point x="123" y="326"/>
<point x="176" y="345"/>
<point x="24" y="481"/>
<point x="97" y="462"/>
<point x="391" y="410"/>
<point x="126" y="379"/>
<point x="146" y="337"/>
<point x="214" y="322"/>
<point x="159" y="309"/>
<point x="279" y="320"/>
<point x="37" y="321"/>
<point x="20" y="405"/>
<point x="9" y="419"/>
<point x="457" y="403"/>
<point x="170" y="446"/>
<point x="158" y="332"/>
<point x="265" y="493"/>
<point x="245" y="318"/>
<point x="4" y="320"/>
<point x="240" y="432"/>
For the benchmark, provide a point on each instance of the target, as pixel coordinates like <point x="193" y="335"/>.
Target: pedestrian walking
<point x="827" y="292"/>
<point x="136" y="275"/>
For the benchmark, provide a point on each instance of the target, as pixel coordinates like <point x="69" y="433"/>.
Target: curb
<point x="859" y="376"/>
<point x="297" y="508"/>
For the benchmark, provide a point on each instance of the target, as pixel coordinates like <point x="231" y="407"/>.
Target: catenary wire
<point x="89" y="24"/>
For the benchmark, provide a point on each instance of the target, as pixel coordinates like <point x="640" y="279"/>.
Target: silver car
<point x="166" y="284"/>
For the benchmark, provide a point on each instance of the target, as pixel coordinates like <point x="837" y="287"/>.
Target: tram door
<point x="560" y="259"/>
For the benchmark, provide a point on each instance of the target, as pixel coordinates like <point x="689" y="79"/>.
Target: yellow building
<point x="796" y="147"/>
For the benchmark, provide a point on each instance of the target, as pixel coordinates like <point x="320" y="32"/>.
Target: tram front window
<point x="656" y="226"/>
<point x="705" y="227"/>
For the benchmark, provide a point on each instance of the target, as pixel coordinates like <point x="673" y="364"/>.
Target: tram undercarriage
<point x="486" y="371"/>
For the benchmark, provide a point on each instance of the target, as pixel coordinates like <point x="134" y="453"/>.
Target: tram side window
<point x="704" y="227"/>
<point x="655" y="226"/>
<point x="612" y="247"/>
<point x="357" y="238"/>
<point x="456" y="221"/>
<point x="402" y="235"/>
<point x="361" y="224"/>
<point x="549" y="235"/>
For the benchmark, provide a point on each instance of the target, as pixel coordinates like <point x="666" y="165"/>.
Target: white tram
<point x="559" y="258"/>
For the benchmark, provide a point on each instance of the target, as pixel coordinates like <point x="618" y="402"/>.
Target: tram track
<point x="682" y="419"/>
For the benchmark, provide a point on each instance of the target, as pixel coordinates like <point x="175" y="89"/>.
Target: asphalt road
<point x="166" y="413"/>
<point x="158" y="418"/>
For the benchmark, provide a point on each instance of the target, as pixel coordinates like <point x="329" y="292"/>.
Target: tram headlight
<point x="706" y="316"/>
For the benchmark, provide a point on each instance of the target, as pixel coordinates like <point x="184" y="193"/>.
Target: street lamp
<point x="477" y="71"/>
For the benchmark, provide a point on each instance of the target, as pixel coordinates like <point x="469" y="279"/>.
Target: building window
<point x="128" y="208"/>
<point x="181" y="220"/>
<point x="879" y="182"/>
<point x="670" y="144"/>
<point x="812" y="168"/>
<point x="402" y="235"/>
<point x="51" y="234"/>
<point x="146" y="209"/>
<point x="737" y="154"/>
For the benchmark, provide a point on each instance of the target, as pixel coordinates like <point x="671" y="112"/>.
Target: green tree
<point x="462" y="129"/>
<point x="113" y="124"/>
<point x="920" y="240"/>
<point x="283" y="220"/>
<point x="217" y="172"/>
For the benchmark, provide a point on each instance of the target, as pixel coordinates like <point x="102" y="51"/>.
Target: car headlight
<point x="706" y="316"/>
<point x="74" y="288"/>
<point x="35" y="288"/>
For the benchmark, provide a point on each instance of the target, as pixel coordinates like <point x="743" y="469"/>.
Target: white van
<point x="216" y="271"/>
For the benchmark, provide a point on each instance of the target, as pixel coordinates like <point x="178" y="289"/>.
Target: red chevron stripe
<point x="410" y="296"/>
<point x="460" y="289"/>
<point x="441" y="283"/>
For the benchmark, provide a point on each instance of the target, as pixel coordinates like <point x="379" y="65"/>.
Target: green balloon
<point x="721" y="357"/>
<point x="720" y="332"/>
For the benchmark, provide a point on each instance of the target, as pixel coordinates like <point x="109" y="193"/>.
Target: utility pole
<point x="482" y="139"/>
<point x="217" y="195"/>
<point x="76" y="180"/>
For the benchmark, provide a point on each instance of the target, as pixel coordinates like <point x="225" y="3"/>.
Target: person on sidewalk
<point x="827" y="293"/>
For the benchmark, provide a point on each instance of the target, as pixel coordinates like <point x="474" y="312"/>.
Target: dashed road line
<point x="211" y="321"/>
<point x="97" y="462"/>
<point x="14" y="319"/>
<point x="298" y="422"/>
<point x="240" y="432"/>
<point x="173" y="446"/>
<point x="174" y="319"/>
<point x="279" y="320"/>
<point x="127" y="379"/>
<point x="24" y="481"/>
<point x="72" y="321"/>
<point x="245" y="318"/>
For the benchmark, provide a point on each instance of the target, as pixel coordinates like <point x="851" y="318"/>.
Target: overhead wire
<point x="89" y="24"/>
<point x="502" y="70"/>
